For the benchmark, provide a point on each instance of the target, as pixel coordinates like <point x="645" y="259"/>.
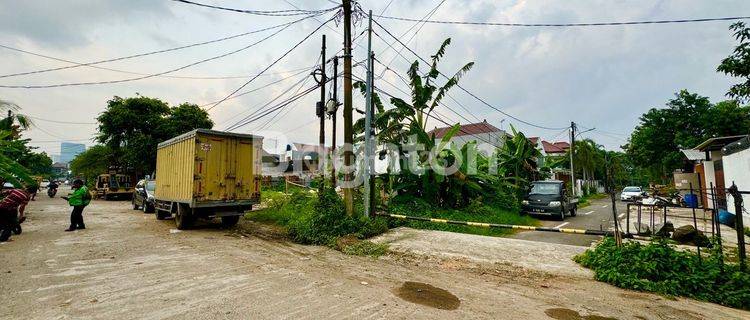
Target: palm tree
<point x="13" y="122"/>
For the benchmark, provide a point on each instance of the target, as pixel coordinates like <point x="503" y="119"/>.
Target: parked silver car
<point x="631" y="194"/>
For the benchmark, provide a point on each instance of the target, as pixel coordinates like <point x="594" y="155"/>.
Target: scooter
<point x="51" y="192"/>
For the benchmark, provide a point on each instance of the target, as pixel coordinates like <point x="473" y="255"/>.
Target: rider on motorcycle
<point x="52" y="188"/>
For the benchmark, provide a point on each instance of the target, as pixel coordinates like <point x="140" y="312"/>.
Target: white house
<point x="736" y="160"/>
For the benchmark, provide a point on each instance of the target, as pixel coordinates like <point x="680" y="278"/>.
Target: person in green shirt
<point x="79" y="199"/>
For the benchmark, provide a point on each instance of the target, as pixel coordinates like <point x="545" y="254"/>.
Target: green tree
<point x="687" y="120"/>
<point x="10" y="170"/>
<point x="91" y="163"/>
<point x="133" y="127"/>
<point x="186" y="117"/>
<point x="738" y="63"/>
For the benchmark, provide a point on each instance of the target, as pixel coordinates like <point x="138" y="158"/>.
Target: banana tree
<point x="407" y="122"/>
<point x="517" y="161"/>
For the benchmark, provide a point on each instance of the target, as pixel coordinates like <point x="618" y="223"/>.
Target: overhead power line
<point x="273" y="13"/>
<point x="584" y="24"/>
<point x="262" y="87"/>
<point x="93" y="64"/>
<point x="160" y="73"/>
<point x="57" y="121"/>
<point x="272" y="64"/>
<point x="461" y="87"/>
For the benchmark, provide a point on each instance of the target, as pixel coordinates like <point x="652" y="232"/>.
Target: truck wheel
<point x="229" y="221"/>
<point x="184" y="217"/>
<point x="561" y="217"/>
<point x="135" y="206"/>
<point x="17" y="229"/>
<point x="573" y="212"/>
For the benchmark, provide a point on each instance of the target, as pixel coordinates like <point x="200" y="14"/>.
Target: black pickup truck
<point x="549" y="198"/>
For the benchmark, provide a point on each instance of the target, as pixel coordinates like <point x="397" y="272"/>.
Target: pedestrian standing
<point x="79" y="199"/>
<point x="12" y="209"/>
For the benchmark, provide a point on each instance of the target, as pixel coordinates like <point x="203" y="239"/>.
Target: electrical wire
<point x="426" y="17"/>
<point x="273" y="13"/>
<point x="254" y="110"/>
<point x="302" y="85"/>
<point x="94" y="63"/>
<point x="160" y="73"/>
<point x="277" y="107"/>
<point x="585" y="24"/>
<point x="464" y="89"/>
<point x="461" y="129"/>
<point x="261" y="87"/>
<point x="272" y="64"/>
<point x="57" y="121"/>
<point x="441" y="103"/>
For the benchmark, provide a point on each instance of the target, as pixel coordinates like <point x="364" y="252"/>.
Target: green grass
<point x="365" y="248"/>
<point x="475" y="212"/>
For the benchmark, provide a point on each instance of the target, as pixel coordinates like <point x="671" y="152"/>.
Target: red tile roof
<point x="467" y="129"/>
<point x="562" y="144"/>
<point x="534" y="140"/>
<point x="557" y="147"/>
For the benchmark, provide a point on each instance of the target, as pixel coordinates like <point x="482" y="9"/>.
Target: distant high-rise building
<point x="68" y="151"/>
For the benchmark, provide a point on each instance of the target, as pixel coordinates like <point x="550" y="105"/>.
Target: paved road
<point x="597" y="216"/>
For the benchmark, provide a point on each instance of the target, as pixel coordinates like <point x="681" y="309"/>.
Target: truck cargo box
<point x="213" y="173"/>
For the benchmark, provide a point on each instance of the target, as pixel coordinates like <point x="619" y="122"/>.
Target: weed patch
<point x="316" y="218"/>
<point x="658" y="267"/>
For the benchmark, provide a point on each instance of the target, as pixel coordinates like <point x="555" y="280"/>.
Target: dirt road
<point x="128" y="265"/>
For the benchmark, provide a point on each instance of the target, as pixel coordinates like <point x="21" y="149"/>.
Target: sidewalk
<point x="538" y="256"/>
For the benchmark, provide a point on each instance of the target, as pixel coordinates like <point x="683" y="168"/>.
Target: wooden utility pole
<point x="335" y="100"/>
<point x="321" y="107"/>
<point x="348" y="130"/>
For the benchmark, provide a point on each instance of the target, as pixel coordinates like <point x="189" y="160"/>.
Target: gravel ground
<point x="127" y="265"/>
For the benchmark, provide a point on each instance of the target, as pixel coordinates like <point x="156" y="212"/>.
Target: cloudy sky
<point x="602" y="77"/>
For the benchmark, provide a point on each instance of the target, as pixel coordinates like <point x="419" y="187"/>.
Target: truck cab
<point x="549" y="198"/>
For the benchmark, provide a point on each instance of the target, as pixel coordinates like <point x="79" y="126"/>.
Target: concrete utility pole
<point x="321" y="107"/>
<point x="348" y="130"/>
<point x="368" y="126"/>
<point x="332" y="111"/>
<point x="572" y="150"/>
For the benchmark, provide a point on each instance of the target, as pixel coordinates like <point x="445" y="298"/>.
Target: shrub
<point x="659" y="267"/>
<point x="316" y="219"/>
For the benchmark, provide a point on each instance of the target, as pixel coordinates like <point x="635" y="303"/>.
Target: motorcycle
<point x="51" y="192"/>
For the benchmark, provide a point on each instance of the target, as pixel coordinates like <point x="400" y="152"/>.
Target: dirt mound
<point x="427" y="295"/>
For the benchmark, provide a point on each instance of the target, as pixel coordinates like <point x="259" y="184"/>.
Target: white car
<point x="631" y="193"/>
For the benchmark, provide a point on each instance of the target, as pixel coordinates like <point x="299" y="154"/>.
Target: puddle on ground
<point x="567" y="314"/>
<point x="427" y="295"/>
